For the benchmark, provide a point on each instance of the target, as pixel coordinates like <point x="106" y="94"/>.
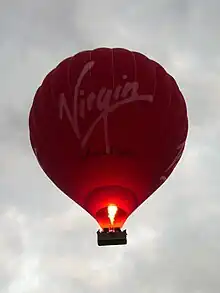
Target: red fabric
<point x="112" y="133"/>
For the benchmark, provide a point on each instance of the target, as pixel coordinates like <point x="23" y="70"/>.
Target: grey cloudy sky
<point x="47" y="243"/>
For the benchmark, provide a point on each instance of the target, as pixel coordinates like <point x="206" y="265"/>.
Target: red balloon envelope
<point x="108" y="126"/>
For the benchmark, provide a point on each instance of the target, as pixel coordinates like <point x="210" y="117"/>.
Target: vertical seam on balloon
<point x="170" y="92"/>
<point x="50" y="85"/>
<point x="167" y="124"/>
<point x="49" y="80"/>
<point x="135" y="65"/>
<point x="69" y="74"/>
<point x="155" y="78"/>
<point x="90" y="59"/>
<point x="135" y="71"/>
<point x="113" y="70"/>
<point x="33" y="112"/>
<point x="107" y="142"/>
<point x="33" y="125"/>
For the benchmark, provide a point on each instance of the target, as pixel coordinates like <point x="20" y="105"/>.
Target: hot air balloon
<point x="108" y="126"/>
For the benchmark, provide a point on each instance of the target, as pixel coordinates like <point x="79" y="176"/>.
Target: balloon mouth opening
<point x="111" y="216"/>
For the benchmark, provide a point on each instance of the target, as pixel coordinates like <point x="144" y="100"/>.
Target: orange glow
<point x="111" y="205"/>
<point x="112" y="210"/>
<point x="103" y="216"/>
